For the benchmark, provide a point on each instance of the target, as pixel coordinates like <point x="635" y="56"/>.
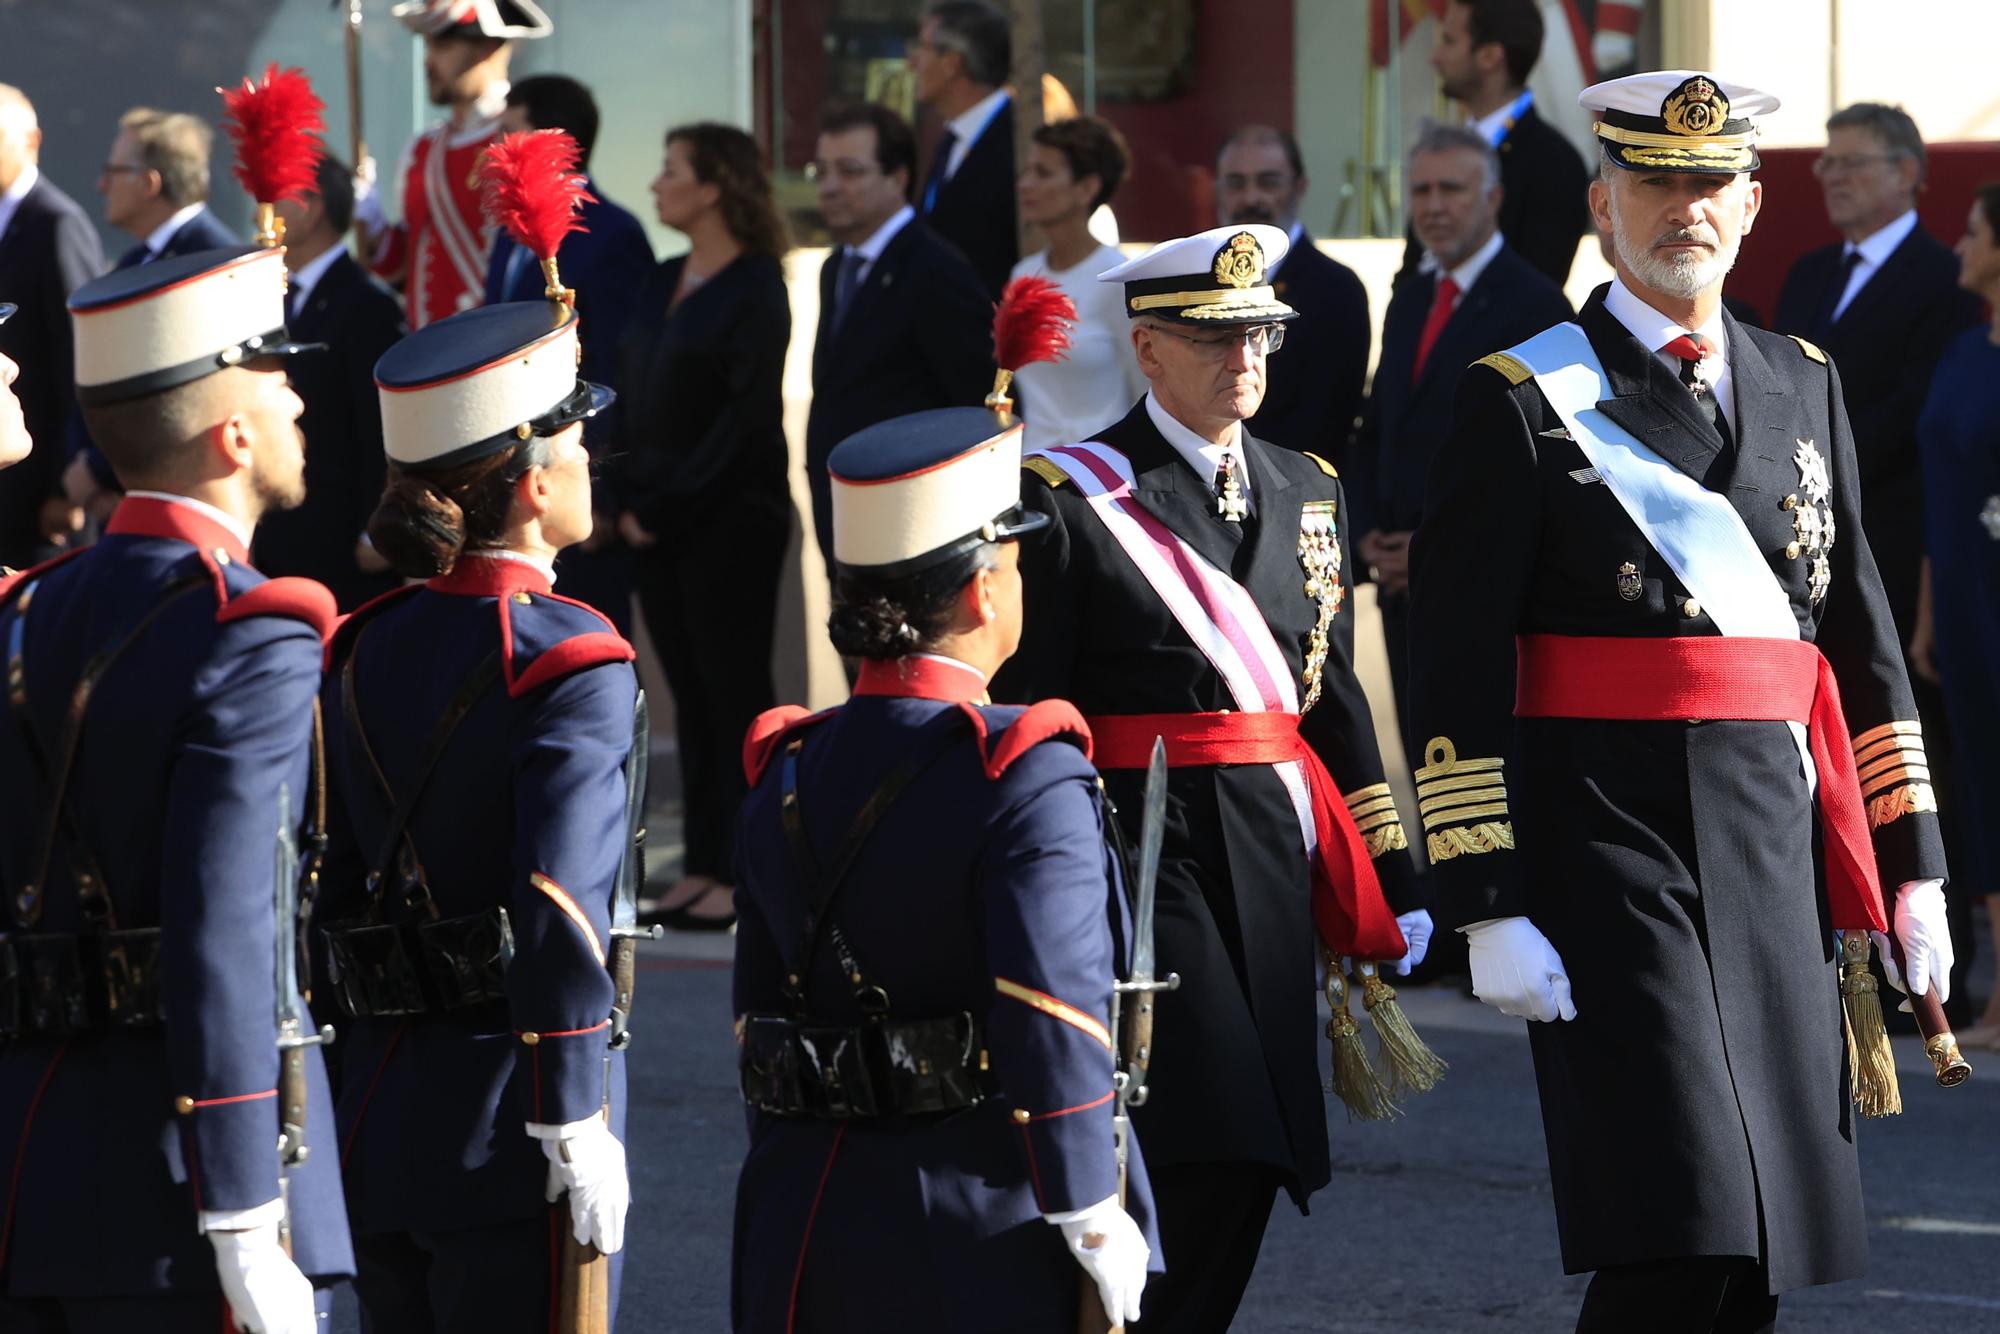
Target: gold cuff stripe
<point x="1893" y="806"/>
<point x="1472" y="796"/>
<point x="1460" y="814"/>
<point x="1888" y="745"/>
<point x="1372" y="792"/>
<point x="1225" y="296"/>
<point x="1887" y="764"/>
<point x="1909" y="773"/>
<point x="1618" y="134"/>
<point x="1455" y="765"/>
<point x="1905" y="727"/>
<point x="1470" y="842"/>
<point x="1431" y="787"/>
<point x="1055" y="1009"/>
<point x="1389" y="838"/>
<point x="1373" y="806"/>
<point x="1377" y="819"/>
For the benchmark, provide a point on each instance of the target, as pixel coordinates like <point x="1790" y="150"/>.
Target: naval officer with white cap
<point x="1644" y="518"/>
<point x="1194" y="585"/>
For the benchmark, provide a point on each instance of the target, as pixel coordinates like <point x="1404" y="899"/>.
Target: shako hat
<point x="1678" y="120"/>
<point x="1214" y="277"/>
<point x="157" y="326"/>
<point x="914" y="491"/>
<point x="474" y="383"/>
<point x="506" y="19"/>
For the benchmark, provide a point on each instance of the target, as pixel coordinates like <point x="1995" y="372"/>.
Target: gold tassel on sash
<point x="1355" y="1081"/>
<point x="1869" y="1058"/>
<point x="1408" y="1065"/>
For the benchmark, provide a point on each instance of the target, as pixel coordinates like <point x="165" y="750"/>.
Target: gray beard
<point x="1683" y="277"/>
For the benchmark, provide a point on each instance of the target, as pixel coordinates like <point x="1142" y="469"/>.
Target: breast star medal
<point x="1812" y="520"/>
<point x="1319" y="554"/>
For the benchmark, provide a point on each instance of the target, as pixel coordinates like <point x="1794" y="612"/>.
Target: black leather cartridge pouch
<point x="771" y="1069"/>
<point x="54" y="1001"/>
<point x="129" y="962"/>
<point x="373" y="971"/>
<point x="933" y="1064"/>
<point x="467" y="957"/>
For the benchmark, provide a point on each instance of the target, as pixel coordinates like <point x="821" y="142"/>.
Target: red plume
<point x="1031" y="323"/>
<point x="276" y="127"/>
<point x="534" y="190"/>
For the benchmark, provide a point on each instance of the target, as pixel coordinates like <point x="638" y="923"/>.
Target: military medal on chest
<point x="1229" y="502"/>
<point x="1319" y="553"/>
<point x="1812" y="519"/>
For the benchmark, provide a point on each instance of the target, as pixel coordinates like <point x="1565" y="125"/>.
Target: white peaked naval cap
<point x="1219" y="276"/>
<point x="1678" y="120"/>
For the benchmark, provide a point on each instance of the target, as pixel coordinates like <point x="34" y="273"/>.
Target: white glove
<point x="267" y="1294"/>
<point x="1517" y="971"/>
<point x="1925" y="933"/>
<point x="586" y="1160"/>
<point x="1112" y="1250"/>
<point x="1416" y="928"/>
<point x="368" y="199"/>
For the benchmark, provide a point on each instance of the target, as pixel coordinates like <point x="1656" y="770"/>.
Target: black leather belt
<point x="880" y="1068"/>
<point x="59" y="984"/>
<point x="403" y="968"/>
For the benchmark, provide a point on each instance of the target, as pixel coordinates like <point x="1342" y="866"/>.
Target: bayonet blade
<point x="631" y="867"/>
<point x="1152" y="832"/>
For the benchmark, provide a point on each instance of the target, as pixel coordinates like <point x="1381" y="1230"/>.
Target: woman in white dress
<point x="1074" y="166"/>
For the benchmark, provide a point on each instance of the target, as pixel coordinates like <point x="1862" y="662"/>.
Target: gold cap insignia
<point x="1697" y="107"/>
<point x="1240" y="263"/>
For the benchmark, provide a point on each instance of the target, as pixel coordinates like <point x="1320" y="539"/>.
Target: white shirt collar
<point x="1467" y="273"/>
<point x="1655" y="330"/>
<point x="547" y="568"/>
<point x="229" y="522"/>
<point x="156" y="240"/>
<point x="949" y="661"/>
<point x="10" y="202"/>
<point x="969" y="124"/>
<point x="871" y="249"/>
<point x="1202" y="454"/>
<point x="1878" y="246"/>
<point x="308" y="277"/>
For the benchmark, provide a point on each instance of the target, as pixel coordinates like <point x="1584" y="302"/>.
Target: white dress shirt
<point x="1655" y="330"/>
<point x="1066" y="401"/>
<point x="871" y="249"/>
<point x="303" y="280"/>
<point x="546" y="568"/>
<point x="156" y="240"/>
<point x="1202" y="454"/>
<point x="229" y="522"/>
<point x="1873" y="251"/>
<point x="11" y="200"/>
<point x="968" y="125"/>
<point x="1467" y="273"/>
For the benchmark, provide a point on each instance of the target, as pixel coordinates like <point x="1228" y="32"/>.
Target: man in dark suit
<point x="1485" y="51"/>
<point x="1473" y="295"/>
<point x="607" y="263"/>
<point x="1312" y="393"/>
<point x="960" y="62"/>
<point x="904" y="323"/>
<point x="334" y="301"/>
<point x="48" y="248"/>
<point x="155" y="188"/>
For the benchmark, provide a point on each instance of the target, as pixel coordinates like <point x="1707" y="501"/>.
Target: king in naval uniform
<point x="1193" y="585"/>
<point x="1643" y="541"/>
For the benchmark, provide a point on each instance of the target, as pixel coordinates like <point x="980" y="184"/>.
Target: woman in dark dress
<point x="703" y="464"/>
<point x="1957" y="640"/>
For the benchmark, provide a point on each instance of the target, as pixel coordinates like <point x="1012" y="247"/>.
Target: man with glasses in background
<point x="1194" y="585"/>
<point x="903" y="319"/>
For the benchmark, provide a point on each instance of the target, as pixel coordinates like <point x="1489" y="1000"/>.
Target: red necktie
<point x="1447" y="297"/>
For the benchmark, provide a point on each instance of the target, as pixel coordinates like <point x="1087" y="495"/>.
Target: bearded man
<point x="1640" y="598"/>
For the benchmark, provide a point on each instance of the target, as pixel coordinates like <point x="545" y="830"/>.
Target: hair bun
<point x="417" y="528"/>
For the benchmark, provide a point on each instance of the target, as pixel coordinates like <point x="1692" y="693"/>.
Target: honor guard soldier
<point x="1645" y="632"/>
<point x="155" y="751"/>
<point x="1192" y="587"/>
<point x="478" y="732"/>
<point x="930" y="922"/>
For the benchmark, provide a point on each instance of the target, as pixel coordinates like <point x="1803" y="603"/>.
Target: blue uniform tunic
<point x="986" y="888"/>
<point x="524" y="811"/>
<point x="1959" y="434"/>
<point x="114" y="1140"/>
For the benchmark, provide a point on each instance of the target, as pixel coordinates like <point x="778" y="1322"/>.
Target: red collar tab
<point x="142" y="516"/>
<point x="919" y="677"/>
<point x="481" y="576"/>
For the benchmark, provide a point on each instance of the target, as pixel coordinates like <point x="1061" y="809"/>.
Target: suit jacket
<point x="1312" y="387"/>
<point x="918" y="336"/>
<point x="1238" y="1073"/>
<point x="1545" y="210"/>
<point x="357" y="318"/>
<point x="1887" y="342"/>
<point x="1667" y="858"/>
<point x="48" y="251"/>
<point x="1403" y="423"/>
<point x="975" y="209"/>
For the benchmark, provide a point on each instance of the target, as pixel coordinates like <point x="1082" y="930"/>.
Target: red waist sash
<point x="1347" y="904"/>
<point x="1721" y="678"/>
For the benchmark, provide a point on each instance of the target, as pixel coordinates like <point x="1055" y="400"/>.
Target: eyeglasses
<point x="1827" y="164"/>
<point x="1263" y="339"/>
<point x="847" y="169"/>
<point x="120" y="168"/>
<point x="1270" y="182"/>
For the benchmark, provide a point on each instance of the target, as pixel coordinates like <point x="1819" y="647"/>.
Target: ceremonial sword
<point x="584" y="1294"/>
<point x="295" y="1032"/>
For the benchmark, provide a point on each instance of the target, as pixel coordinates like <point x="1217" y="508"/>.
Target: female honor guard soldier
<point x="476" y="727"/>
<point x="929" y="927"/>
<point x="154" y="734"/>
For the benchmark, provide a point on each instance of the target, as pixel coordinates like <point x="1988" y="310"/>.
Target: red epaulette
<point x="1040" y="722"/>
<point x="13" y="581"/>
<point x="590" y="648"/>
<point x="300" y="599"/>
<point x="770" y="730"/>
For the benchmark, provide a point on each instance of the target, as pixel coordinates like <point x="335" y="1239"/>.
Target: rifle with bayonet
<point x="583" y="1298"/>
<point x="295" y="1031"/>
<point x="1132" y="1019"/>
